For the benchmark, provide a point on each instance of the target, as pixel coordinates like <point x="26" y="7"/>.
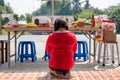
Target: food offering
<point x="30" y="24"/>
<point x="11" y="25"/>
<point x="80" y="23"/>
<point x="108" y="25"/>
<point x="74" y="25"/>
<point x="15" y="25"/>
<point x="44" y="23"/>
<point x="108" y="28"/>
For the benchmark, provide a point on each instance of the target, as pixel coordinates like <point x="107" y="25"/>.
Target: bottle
<point x="93" y="21"/>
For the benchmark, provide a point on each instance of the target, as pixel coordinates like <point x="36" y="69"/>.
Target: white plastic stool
<point x="107" y="40"/>
<point x="112" y="44"/>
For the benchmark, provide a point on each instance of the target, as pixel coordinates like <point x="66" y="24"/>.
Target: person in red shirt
<point x="61" y="45"/>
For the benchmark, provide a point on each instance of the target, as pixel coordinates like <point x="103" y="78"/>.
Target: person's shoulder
<point x="51" y="34"/>
<point x="71" y="32"/>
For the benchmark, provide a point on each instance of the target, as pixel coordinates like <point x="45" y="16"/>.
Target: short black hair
<point x="60" y="23"/>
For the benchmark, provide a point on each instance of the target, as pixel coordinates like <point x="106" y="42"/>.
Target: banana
<point x="31" y="24"/>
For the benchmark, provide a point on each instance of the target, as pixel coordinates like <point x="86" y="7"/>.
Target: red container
<point x="15" y="25"/>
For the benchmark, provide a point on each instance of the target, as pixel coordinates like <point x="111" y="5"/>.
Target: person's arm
<point x="48" y="46"/>
<point x="75" y="45"/>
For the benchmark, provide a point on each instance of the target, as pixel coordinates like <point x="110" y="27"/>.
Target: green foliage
<point x="8" y="9"/>
<point x="2" y="3"/>
<point x="87" y="5"/>
<point x="76" y="6"/>
<point x="64" y="7"/>
<point x="76" y="17"/>
<point x="43" y="10"/>
<point x="86" y="14"/>
<point x="22" y="18"/>
<point x="1" y="10"/>
<point x="28" y="17"/>
<point x="0" y="20"/>
<point x="15" y="16"/>
<point x="5" y="8"/>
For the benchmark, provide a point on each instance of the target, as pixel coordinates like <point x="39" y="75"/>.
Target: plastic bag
<point x="109" y="25"/>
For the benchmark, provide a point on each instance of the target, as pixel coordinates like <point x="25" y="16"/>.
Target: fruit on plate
<point x="74" y="25"/>
<point x="15" y="25"/>
<point x="30" y="24"/>
<point x="80" y="23"/>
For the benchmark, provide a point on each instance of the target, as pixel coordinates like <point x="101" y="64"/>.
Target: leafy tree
<point x="4" y="9"/>
<point x="2" y="3"/>
<point x="86" y="14"/>
<point x="76" y="6"/>
<point x="44" y="10"/>
<point x="22" y="18"/>
<point x="56" y="7"/>
<point x="5" y="20"/>
<point x="65" y="8"/>
<point x="15" y="16"/>
<point x="28" y="17"/>
<point x="0" y="20"/>
<point x="87" y="5"/>
<point x="8" y="8"/>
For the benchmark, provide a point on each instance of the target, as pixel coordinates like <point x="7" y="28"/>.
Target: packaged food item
<point x="109" y="36"/>
<point x="99" y="35"/>
<point x="109" y="30"/>
<point x="108" y="25"/>
<point x="98" y="21"/>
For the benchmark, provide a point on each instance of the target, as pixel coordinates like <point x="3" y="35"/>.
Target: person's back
<point x="61" y="45"/>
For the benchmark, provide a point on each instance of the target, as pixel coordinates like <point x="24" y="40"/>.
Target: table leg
<point x="94" y="51"/>
<point x="15" y="46"/>
<point x="8" y="56"/>
<point x="2" y="52"/>
<point x="90" y="50"/>
<point x="6" y="45"/>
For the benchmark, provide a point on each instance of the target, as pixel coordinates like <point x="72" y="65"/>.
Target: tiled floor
<point x="76" y="75"/>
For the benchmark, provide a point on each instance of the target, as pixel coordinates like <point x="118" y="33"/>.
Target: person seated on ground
<point x="61" y="45"/>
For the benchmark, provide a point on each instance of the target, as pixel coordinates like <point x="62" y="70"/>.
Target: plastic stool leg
<point x="22" y="53"/>
<point x="21" y="59"/>
<point x="112" y="52"/>
<point x="85" y="51"/>
<point x="19" y="51"/>
<point x="34" y="51"/>
<point x="104" y="54"/>
<point x="26" y="51"/>
<point x="118" y="54"/>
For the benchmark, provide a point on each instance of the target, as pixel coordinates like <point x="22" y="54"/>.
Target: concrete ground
<point x="41" y="65"/>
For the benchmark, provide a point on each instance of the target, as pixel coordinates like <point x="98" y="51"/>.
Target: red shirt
<point x="61" y="46"/>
